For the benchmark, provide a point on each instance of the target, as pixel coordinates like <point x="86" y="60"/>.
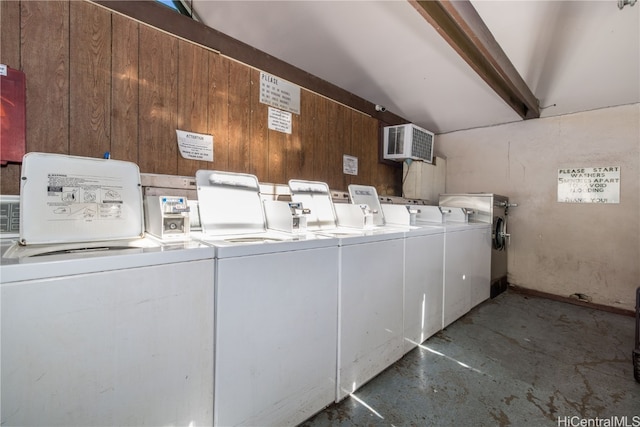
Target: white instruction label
<point x="279" y="120"/>
<point x="589" y="185"/>
<point x="84" y="198"/>
<point x="195" y="146"/>
<point x="349" y="165"/>
<point x="3" y="70"/>
<point x="279" y="93"/>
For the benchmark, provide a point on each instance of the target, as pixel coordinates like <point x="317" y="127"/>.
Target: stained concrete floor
<point x="514" y="360"/>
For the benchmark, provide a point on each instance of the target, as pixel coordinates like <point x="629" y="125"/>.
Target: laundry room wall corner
<point x="556" y="247"/>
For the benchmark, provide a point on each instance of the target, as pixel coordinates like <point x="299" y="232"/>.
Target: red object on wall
<point x="12" y="115"/>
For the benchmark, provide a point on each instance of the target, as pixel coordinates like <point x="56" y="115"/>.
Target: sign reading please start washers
<point x="589" y="185"/>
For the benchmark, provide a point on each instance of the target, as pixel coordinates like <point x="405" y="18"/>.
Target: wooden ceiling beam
<point x="460" y="25"/>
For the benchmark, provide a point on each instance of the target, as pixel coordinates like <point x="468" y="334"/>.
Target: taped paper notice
<point x="349" y="165"/>
<point x="195" y="146"/>
<point x="279" y="120"/>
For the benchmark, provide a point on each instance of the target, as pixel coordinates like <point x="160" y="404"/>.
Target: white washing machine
<point x="100" y="326"/>
<point x="467" y="257"/>
<point x="370" y="322"/>
<point x="276" y="308"/>
<point x="423" y="273"/>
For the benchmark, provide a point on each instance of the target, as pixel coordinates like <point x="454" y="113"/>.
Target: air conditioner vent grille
<point x="408" y="141"/>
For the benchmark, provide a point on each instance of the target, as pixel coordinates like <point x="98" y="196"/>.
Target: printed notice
<point x="589" y="185"/>
<point x="84" y="198"/>
<point x="279" y="120"/>
<point x="195" y="146"/>
<point x="349" y="165"/>
<point x="279" y="93"/>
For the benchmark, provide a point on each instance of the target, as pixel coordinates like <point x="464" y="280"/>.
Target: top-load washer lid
<point x="229" y="203"/>
<point x="67" y="199"/>
<point x="316" y="197"/>
<point x="429" y="213"/>
<point x="367" y="195"/>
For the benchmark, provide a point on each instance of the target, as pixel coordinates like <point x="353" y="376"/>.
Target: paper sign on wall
<point x="195" y="146"/>
<point x="589" y="185"/>
<point x="279" y="93"/>
<point x="349" y="165"/>
<point x="279" y="120"/>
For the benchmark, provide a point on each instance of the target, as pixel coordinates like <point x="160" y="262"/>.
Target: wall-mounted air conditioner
<point x="408" y="142"/>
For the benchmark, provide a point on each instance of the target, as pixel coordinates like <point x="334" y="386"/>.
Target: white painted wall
<point x="559" y="248"/>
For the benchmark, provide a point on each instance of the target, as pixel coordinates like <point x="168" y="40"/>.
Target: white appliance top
<point x="316" y="197"/>
<point x="367" y="195"/>
<point x="20" y="263"/>
<point x="233" y="218"/>
<point x="405" y="216"/>
<point x="67" y="199"/>
<point x="323" y="219"/>
<point x="229" y="203"/>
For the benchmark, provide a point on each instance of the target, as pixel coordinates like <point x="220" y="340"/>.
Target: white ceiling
<point x="574" y="55"/>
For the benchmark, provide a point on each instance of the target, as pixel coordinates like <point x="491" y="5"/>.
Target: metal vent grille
<point x="408" y="141"/>
<point x="422" y="144"/>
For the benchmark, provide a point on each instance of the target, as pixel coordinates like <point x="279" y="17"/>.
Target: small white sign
<point x="195" y="146"/>
<point x="279" y="93"/>
<point x="3" y="70"/>
<point x="279" y="120"/>
<point x="589" y="185"/>
<point x="349" y="165"/>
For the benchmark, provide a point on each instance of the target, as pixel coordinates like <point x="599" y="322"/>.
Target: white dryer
<point x="276" y="308"/>
<point x="101" y="326"/>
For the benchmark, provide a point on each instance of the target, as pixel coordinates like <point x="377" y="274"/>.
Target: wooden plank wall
<point x="98" y="81"/>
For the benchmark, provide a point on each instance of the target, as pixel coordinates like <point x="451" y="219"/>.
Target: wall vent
<point x="408" y="141"/>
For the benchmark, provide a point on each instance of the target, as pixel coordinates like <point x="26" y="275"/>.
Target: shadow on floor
<point x="514" y="360"/>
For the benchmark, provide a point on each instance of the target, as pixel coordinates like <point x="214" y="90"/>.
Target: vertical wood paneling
<point x="277" y="157"/>
<point x="321" y="156"/>
<point x="193" y="102"/>
<point x="124" y="89"/>
<point x="365" y="145"/>
<point x="10" y="40"/>
<point x="259" y="136"/>
<point x="89" y="80"/>
<point x="10" y="55"/>
<point x="239" y="116"/>
<point x="158" y="152"/>
<point x="45" y="61"/>
<point x="219" y="110"/>
<point x="294" y="154"/>
<point x="338" y="144"/>
<point x="359" y="151"/>
<point x="368" y="150"/>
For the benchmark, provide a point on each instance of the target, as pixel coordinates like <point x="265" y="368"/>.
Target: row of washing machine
<point x="100" y="324"/>
<point x="268" y="313"/>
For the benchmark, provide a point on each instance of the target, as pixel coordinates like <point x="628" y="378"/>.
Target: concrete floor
<point x="514" y="360"/>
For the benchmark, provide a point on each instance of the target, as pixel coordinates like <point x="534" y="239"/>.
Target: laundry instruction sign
<point x="589" y="185"/>
<point x="279" y="93"/>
